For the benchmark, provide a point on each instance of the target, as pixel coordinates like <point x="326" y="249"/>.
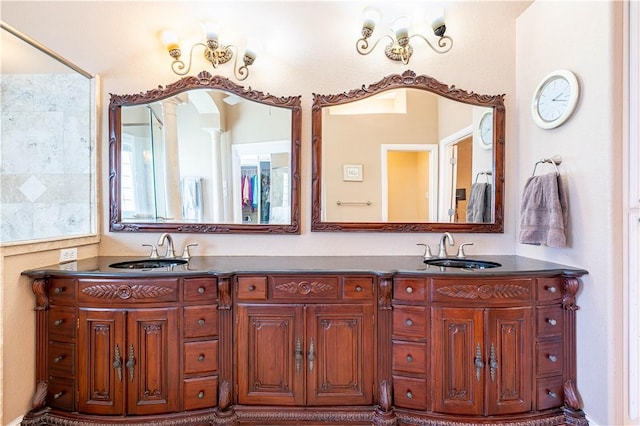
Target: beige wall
<point x="310" y="48"/>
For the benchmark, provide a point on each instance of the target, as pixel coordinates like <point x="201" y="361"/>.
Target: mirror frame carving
<point x="408" y="79"/>
<point x="204" y="80"/>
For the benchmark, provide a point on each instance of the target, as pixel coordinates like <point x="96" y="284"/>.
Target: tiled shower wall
<point x="47" y="157"/>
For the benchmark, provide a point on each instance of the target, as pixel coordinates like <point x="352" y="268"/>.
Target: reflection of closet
<point x="255" y="186"/>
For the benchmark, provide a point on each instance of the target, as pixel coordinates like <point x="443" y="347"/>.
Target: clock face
<point x="486" y="131"/>
<point x="555" y="99"/>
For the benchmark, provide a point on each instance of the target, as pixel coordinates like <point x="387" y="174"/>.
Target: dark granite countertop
<point x="378" y="265"/>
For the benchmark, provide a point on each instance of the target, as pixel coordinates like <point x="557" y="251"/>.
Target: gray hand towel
<point x="477" y="203"/>
<point x="543" y="213"/>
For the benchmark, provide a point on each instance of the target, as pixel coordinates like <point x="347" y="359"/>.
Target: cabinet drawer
<point x="303" y="288"/>
<point x="201" y="290"/>
<point x="409" y="357"/>
<point x="200" y="321"/>
<point x="61" y="359"/>
<point x="549" y="358"/>
<point x="549" y="393"/>
<point x="549" y="288"/>
<point x="62" y="323"/>
<point x="62" y="291"/>
<point x="359" y="288"/>
<point x="410" y="392"/>
<point x="126" y="291"/>
<point x="60" y="393"/>
<point x="410" y="322"/>
<point x="483" y="290"/>
<point x="550" y="321"/>
<point x="410" y="289"/>
<point x="201" y="392"/>
<point x="201" y="357"/>
<point x="252" y="288"/>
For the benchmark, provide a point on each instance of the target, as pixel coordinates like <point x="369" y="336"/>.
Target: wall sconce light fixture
<point x="214" y="52"/>
<point x="399" y="48"/>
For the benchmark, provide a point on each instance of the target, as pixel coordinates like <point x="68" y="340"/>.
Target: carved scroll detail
<point x="305" y="287"/>
<point x="496" y="291"/>
<point x="570" y="287"/>
<point x="124" y="291"/>
<point x="39" y="288"/>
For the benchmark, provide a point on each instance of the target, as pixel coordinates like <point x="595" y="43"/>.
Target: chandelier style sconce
<point x="214" y="53"/>
<point x="399" y="48"/>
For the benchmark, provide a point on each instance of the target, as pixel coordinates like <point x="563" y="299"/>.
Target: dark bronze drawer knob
<point x="409" y="322"/>
<point x="58" y="322"/>
<point x="201" y="290"/>
<point x="552" y="394"/>
<point x="201" y="394"/>
<point x="409" y="395"/>
<point x="200" y="321"/>
<point x="201" y="357"/>
<point x="552" y="358"/>
<point x="409" y="358"/>
<point x="551" y="321"/>
<point x="409" y="290"/>
<point x="58" y="359"/>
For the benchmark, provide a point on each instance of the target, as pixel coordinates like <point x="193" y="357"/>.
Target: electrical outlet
<point x="68" y="255"/>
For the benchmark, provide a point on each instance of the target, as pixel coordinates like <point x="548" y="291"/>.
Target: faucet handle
<point x="186" y="254"/>
<point x="427" y="250"/>
<point x="461" y="254"/>
<point x="154" y="251"/>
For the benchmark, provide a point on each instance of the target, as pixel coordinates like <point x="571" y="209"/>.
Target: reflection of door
<point x="409" y="178"/>
<point x="463" y="178"/>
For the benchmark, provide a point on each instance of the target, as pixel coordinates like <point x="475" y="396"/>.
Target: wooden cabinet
<point x="313" y="353"/>
<point x="306" y="347"/>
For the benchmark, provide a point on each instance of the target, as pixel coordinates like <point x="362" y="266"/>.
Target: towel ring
<point x="486" y="175"/>
<point x="555" y="160"/>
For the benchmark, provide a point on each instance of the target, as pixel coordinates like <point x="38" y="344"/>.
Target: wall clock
<point x="555" y="99"/>
<point x="485" y="130"/>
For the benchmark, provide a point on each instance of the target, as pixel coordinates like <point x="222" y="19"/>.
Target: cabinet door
<point x="271" y="346"/>
<point x="152" y="363"/>
<point x="509" y="360"/>
<point x="458" y="360"/>
<point x="340" y="354"/>
<point x="102" y="355"/>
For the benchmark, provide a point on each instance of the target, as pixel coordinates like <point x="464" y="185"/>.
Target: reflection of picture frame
<point x="352" y="172"/>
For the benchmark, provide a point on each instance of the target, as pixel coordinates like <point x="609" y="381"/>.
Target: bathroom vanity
<point x="306" y="340"/>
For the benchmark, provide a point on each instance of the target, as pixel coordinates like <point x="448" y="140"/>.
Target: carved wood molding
<point x="125" y="291"/>
<point x="270" y="417"/>
<point x="39" y="288"/>
<point x="305" y="287"/>
<point x="570" y="287"/>
<point x="494" y="291"/>
<point x="556" y="419"/>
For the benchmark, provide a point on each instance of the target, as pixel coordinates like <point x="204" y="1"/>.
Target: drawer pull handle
<point x="131" y="363"/>
<point x="201" y="394"/>
<point x="358" y="289"/>
<point x="409" y="358"/>
<point x="252" y="288"/>
<point x="298" y="354"/>
<point x="493" y="363"/>
<point x="58" y="359"/>
<point x="200" y="321"/>
<point x="409" y="395"/>
<point x="59" y="290"/>
<point x="478" y="362"/>
<point x="551" y="321"/>
<point x="58" y="322"/>
<point x="552" y="394"/>
<point x="409" y="322"/>
<point x="552" y="358"/>
<point x="201" y="357"/>
<point x="409" y="290"/>
<point x="201" y="290"/>
<point x="117" y="361"/>
<point x="58" y="395"/>
<point x="312" y="355"/>
<point x="551" y="289"/>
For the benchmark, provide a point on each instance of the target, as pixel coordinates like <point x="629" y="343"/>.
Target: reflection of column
<point x="227" y="177"/>
<point x="217" y="202"/>
<point x="172" y="160"/>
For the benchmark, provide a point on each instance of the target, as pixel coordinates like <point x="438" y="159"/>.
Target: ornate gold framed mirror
<point x="204" y="155"/>
<point x="407" y="154"/>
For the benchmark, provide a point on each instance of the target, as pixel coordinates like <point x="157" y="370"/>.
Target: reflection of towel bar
<point x="353" y="203"/>
<point x="486" y="174"/>
<point x="555" y="160"/>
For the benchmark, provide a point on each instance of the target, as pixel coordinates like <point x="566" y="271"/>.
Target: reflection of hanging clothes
<point x="254" y="191"/>
<point x="246" y="190"/>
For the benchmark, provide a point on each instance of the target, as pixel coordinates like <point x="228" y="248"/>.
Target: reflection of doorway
<point x="463" y="155"/>
<point x="409" y="182"/>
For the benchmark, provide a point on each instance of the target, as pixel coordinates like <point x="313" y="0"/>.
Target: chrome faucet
<point x="171" y="253"/>
<point x="442" y="248"/>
